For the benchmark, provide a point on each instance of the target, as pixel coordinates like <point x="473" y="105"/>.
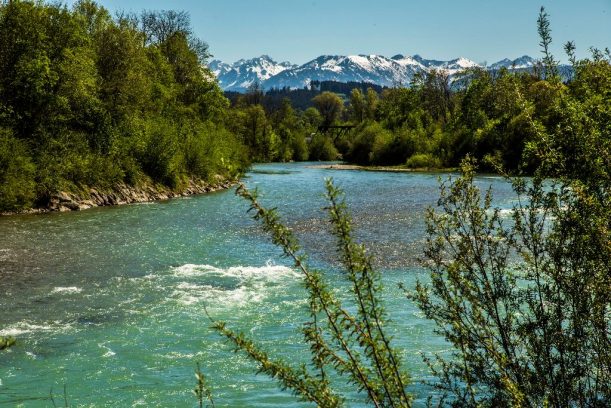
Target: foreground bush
<point x="347" y="340"/>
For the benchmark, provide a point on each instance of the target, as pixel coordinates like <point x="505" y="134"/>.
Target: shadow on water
<point x="272" y="172"/>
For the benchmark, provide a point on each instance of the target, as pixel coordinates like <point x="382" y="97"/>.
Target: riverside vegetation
<point x="91" y="101"/>
<point x="87" y="100"/>
<point x="524" y="304"/>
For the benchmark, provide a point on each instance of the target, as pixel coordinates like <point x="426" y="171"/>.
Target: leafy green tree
<point x="368" y="144"/>
<point x="330" y="106"/>
<point x="17" y="185"/>
<point x="291" y="133"/>
<point x="94" y="101"/>
<point x="322" y="148"/>
<point x="312" y="119"/>
<point x="371" y="103"/>
<point x="399" y="107"/>
<point x="357" y="105"/>
<point x="435" y="94"/>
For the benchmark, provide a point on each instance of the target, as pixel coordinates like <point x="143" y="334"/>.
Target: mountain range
<point x="377" y="69"/>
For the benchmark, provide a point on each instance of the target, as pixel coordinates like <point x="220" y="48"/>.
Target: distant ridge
<point x="377" y="69"/>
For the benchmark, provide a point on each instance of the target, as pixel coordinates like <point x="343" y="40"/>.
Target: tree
<point x="330" y="106"/>
<point x="92" y="101"/>
<point x="524" y="303"/>
<point x="17" y="186"/>
<point x="371" y="103"/>
<point x="357" y="105"/>
<point x="159" y="26"/>
<point x="435" y="94"/>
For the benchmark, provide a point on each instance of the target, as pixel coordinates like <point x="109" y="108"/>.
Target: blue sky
<point x="300" y="30"/>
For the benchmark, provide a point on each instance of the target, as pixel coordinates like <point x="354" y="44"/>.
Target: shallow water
<point x="110" y="302"/>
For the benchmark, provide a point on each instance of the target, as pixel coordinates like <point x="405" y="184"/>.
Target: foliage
<point x="422" y="161"/>
<point x="491" y="115"/>
<point x="348" y="341"/>
<point x="483" y="113"/>
<point x="202" y="390"/>
<point x="17" y="185"/>
<point x="322" y="148"/>
<point x="523" y="299"/>
<point x="330" y="106"/>
<point x="368" y="145"/>
<point x="545" y="34"/>
<point x="6" y="342"/>
<point x="524" y="303"/>
<point x="88" y="100"/>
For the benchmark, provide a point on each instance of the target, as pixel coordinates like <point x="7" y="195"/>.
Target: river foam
<point x="233" y="286"/>
<point x="70" y="289"/>
<point x="25" y="327"/>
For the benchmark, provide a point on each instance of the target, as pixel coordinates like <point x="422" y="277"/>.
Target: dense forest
<point x="91" y="100"/>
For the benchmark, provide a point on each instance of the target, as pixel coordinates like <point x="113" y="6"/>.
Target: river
<point x="109" y="302"/>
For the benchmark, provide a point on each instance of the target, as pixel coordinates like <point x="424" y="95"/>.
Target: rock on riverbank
<point x="124" y="194"/>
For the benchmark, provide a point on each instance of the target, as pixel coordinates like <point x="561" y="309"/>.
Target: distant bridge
<point x="335" y="131"/>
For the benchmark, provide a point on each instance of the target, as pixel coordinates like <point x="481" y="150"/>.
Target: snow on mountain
<point x="398" y="70"/>
<point x="524" y="62"/>
<point x="427" y="62"/>
<point x="359" y="68"/>
<point x="243" y="73"/>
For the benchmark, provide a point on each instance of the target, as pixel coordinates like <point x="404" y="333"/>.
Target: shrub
<point x="525" y="304"/>
<point x="322" y="148"/>
<point x="17" y="185"/>
<point x="348" y="340"/>
<point x="369" y="143"/>
<point x="161" y="157"/>
<point x="423" y="160"/>
<point x="299" y="147"/>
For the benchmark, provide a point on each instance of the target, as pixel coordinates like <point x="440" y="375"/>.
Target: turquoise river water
<point x="109" y="302"/>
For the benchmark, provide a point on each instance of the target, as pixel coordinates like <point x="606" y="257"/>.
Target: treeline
<point x="275" y="131"/>
<point x="438" y="120"/>
<point x="302" y="98"/>
<point x="87" y="99"/>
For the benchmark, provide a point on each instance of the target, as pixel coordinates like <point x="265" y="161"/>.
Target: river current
<point x="109" y="302"/>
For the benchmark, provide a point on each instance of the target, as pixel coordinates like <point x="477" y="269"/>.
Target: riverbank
<point x="392" y="169"/>
<point x="121" y="194"/>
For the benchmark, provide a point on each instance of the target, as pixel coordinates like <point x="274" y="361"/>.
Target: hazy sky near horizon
<point x="300" y="30"/>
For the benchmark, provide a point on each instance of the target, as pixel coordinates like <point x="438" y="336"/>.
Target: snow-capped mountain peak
<point x="378" y="69"/>
<point x="243" y="73"/>
<point x="523" y="62"/>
